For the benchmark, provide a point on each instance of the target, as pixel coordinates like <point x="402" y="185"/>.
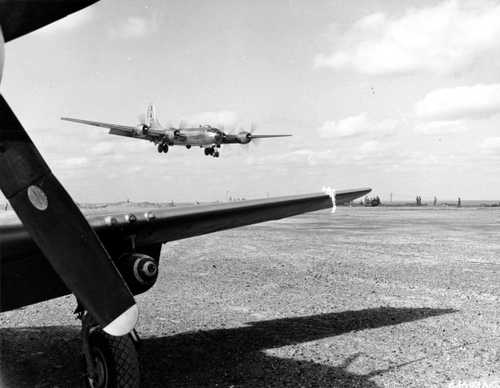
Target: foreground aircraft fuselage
<point x="204" y="136"/>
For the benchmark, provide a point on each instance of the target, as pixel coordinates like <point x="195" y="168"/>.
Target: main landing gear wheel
<point x="212" y="151"/>
<point x="109" y="361"/>
<point x="162" y="147"/>
<point x="115" y="361"/>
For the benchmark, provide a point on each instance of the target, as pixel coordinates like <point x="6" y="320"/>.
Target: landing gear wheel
<point x="115" y="361"/>
<point x="162" y="147"/>
<point x="216" y="154"/>
<point x="207" y="151"/>
<point x="188" y="146"/>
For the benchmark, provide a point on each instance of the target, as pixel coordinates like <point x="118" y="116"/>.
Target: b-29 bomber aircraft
<point x="52" y="249"/>
<point x="205" y="136"/>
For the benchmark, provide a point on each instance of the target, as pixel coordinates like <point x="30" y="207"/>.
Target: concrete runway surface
<point x="367" y="297"/>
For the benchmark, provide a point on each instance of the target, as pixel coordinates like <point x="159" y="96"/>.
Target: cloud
<point x="439" y="38"/>
<point x="356" y="126"/>
<point x="441" y="127"/>
<point x="73" y="162"/>
<point x="300" y="156"/>
<point x="476" y="101"/>
<point x="133" y="27"/>
<point x="70" y="22"/>
<point x="369" y="147"/>
<point x="491" y="144"/>
<point x="103" y="148"/>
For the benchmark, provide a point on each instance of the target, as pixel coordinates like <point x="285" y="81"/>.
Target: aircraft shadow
<point x="49" y="356"/>
<point x="235" y="356"/>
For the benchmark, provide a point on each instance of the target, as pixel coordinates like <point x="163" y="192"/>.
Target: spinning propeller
<point x="47" y="211"/>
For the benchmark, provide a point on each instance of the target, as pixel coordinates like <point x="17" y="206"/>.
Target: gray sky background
<point x="397" y="95"/>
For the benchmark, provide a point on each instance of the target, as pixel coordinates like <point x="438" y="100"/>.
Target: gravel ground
<point x="368" y="297"/>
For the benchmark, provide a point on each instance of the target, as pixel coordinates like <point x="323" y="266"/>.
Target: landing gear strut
<point x="110" y="361"/>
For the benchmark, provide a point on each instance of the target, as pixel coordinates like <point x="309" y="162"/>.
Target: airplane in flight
<point x="51" y="249"/>
<point x="205" y="136"/>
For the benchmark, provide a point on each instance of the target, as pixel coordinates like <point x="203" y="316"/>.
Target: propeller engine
<point x="244" y="137"/>
<point x="139" y="271"/>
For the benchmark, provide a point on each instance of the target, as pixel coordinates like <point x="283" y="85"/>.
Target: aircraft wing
<point x="114" y="129"/>
<point x="163" y="225"/>
<point x="148" y="229"/>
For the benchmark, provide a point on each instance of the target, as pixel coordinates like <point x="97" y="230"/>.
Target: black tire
<point x="160" y="148"/>
<point x="116" y="361"/>
<point x="207" y="152"/>
<point x="165" y="148"/>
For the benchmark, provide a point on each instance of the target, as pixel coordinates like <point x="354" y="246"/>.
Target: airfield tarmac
<point x="367" y="297"/>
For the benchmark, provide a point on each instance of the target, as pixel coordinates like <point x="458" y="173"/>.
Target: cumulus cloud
<point x="441" y="127"/>
<point x="102" y="148"/>
<point x="355" y="126"/>
<point x="476" y="101"/>
<point x="133" y="27"/>
<point x="438" y="38"/>
<point x="369" y="147"/>
<point x="491" y="144"/>
<point x="72" y="162"/>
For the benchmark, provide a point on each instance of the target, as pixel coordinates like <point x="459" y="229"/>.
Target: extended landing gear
<point x="110" y="361"/>
<point x="212" y="151"/>
<point x="163" y="147"/>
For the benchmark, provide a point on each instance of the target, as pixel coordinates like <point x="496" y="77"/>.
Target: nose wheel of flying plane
<point x="212" y="151"/>
<point x="110" y="361"/>
<point x="163" y="147"/>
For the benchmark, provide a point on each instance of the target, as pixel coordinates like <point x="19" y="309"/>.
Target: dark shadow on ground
<point x="48" y="356"/>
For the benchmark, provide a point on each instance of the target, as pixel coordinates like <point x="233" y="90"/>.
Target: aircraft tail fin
<point x="151" y="118"/>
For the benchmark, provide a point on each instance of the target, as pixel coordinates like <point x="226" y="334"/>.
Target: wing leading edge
<point x="148" y="229"/>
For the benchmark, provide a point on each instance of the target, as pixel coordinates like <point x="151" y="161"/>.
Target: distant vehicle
<point x="205" y="136"/>
<point x="370" y="202"/>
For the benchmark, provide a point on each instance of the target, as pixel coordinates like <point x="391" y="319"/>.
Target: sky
<point x="400" y="96"/>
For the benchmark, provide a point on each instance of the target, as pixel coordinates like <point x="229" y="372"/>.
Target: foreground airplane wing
<point x="114" y="129"/>
<point x="26" y="276"/>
